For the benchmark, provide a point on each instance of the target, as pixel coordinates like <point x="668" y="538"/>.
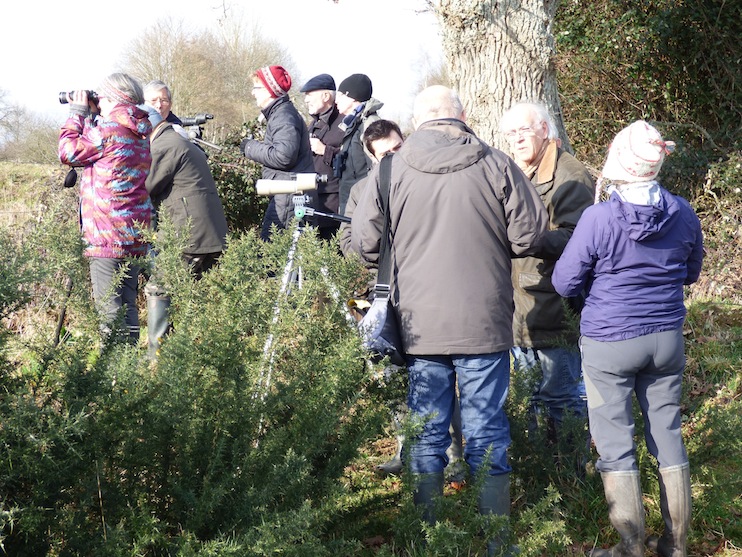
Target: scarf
<point x="637" y="193"/>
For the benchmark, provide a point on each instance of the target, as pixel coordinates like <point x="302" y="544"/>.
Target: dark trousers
<point x="115" y="284"/>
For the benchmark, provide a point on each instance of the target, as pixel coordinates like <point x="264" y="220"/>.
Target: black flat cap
<point x="319" y="83"/>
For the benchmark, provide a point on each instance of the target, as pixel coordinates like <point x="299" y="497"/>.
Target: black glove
<point x="243" y="145"/>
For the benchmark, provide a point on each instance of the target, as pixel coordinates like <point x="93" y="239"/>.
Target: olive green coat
<point x="566" y="188"/>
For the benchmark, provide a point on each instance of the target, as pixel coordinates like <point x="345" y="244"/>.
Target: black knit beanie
<point x="357" y="87"/>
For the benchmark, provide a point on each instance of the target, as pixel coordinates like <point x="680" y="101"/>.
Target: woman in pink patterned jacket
<point x="113" y="149"/>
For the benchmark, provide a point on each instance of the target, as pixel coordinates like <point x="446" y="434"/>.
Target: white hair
<point x="436" y="102"/>
<point x="155" y="86"/>
<point x="540" y="112"/>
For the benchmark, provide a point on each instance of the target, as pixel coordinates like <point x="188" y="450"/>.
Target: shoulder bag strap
<point x="385" y="263"/>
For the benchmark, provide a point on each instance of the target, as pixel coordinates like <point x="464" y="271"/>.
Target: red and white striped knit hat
<point x="275" y="79"/>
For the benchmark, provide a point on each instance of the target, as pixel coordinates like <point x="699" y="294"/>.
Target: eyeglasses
<point x="525" y="131"/>
<point x="161" y="101"/>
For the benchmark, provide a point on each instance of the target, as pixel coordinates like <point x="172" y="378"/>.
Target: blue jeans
<point x="561" y="388"/>
<point x="483" y="382"/>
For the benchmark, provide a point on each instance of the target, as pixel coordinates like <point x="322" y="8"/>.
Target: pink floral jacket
<point x="114" y="203"/>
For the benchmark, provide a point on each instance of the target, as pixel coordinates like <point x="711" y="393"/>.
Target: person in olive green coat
<point x="181" y="185"/>
<point x="544" y="340"/>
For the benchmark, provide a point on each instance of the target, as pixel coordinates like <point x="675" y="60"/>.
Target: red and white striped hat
<point x="275" y="79"/>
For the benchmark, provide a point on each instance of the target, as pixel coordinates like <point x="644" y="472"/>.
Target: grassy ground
<point x="554" y="511"/>
<point x="712" y="422"/>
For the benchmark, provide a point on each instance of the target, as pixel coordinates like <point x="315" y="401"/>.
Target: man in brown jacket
<point x="459" y="209"/>
<point x="545" y="341"/>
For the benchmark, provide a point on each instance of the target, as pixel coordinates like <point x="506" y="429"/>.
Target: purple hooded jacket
<point x="631" y="262"/>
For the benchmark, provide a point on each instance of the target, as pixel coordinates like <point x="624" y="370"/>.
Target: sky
<point x="50" y="46"/>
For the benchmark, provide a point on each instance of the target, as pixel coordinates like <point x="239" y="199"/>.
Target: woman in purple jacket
<point x="631" y="257"/>
<point x="112" y="147"/>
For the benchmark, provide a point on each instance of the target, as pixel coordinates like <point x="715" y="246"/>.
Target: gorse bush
<point x="223" y="436"/>
<point x="235" y="176"/>
<point x="229" y="446"/>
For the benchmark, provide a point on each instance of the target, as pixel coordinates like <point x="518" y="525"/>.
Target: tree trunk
<point x="499" y="53"/>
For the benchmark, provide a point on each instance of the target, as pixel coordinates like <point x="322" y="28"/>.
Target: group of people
<point x="494" y="255"/>
<point x="330" y="146"/>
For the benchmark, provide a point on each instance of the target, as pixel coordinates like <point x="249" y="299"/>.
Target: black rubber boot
<point x="428" y="489"/>
<point x="494" y="498"/>
<point x="158" y="321"/>
<point x="394" y="466"/>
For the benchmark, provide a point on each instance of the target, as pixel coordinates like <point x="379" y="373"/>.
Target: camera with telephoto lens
<point x="65" y="97"/>
<point x="338" y="163"/>
<point x="197" y="120"/>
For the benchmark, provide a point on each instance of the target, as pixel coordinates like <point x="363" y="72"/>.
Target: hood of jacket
<point x="643" y="222"/>
<point x="372" y="107"/>
<point x="132" y="118"/>
<point x="443" y="146"/>
<point x="351" y="122"/>
<point x="160" y="128"/>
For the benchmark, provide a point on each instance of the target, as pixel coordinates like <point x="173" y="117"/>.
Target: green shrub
<point x="235" y="178"/>
<point x="676" y="64"/>
<point x="222" y="438"/>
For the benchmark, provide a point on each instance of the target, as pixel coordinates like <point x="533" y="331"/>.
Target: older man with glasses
<point x="157" y="95"/>
<point x="545" y="342"/>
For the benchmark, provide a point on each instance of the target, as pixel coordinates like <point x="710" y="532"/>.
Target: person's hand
<point x="79" y="103"/>
<point x="245" y="142"/>
<point x="318" y="148"/>
<point x="79" y="98"/>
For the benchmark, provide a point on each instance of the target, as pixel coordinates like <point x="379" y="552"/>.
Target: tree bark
<point x="499" y="53"/>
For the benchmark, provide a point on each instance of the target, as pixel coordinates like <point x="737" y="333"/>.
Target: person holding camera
<point x="285" y="149"/>
<point x="633" y="255"/>
<point x="180" y="183"/>
<point x="109" y="140"/>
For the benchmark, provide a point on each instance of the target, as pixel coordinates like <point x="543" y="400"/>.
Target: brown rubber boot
<point x="623" y="493"/>
<point x="675" y="503"/>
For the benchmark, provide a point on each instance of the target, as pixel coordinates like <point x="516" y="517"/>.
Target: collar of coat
<point x="271" y="106"/>
<point x="547" y="167"/>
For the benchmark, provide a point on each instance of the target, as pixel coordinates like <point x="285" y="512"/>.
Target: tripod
<point x="292" y="275"/>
